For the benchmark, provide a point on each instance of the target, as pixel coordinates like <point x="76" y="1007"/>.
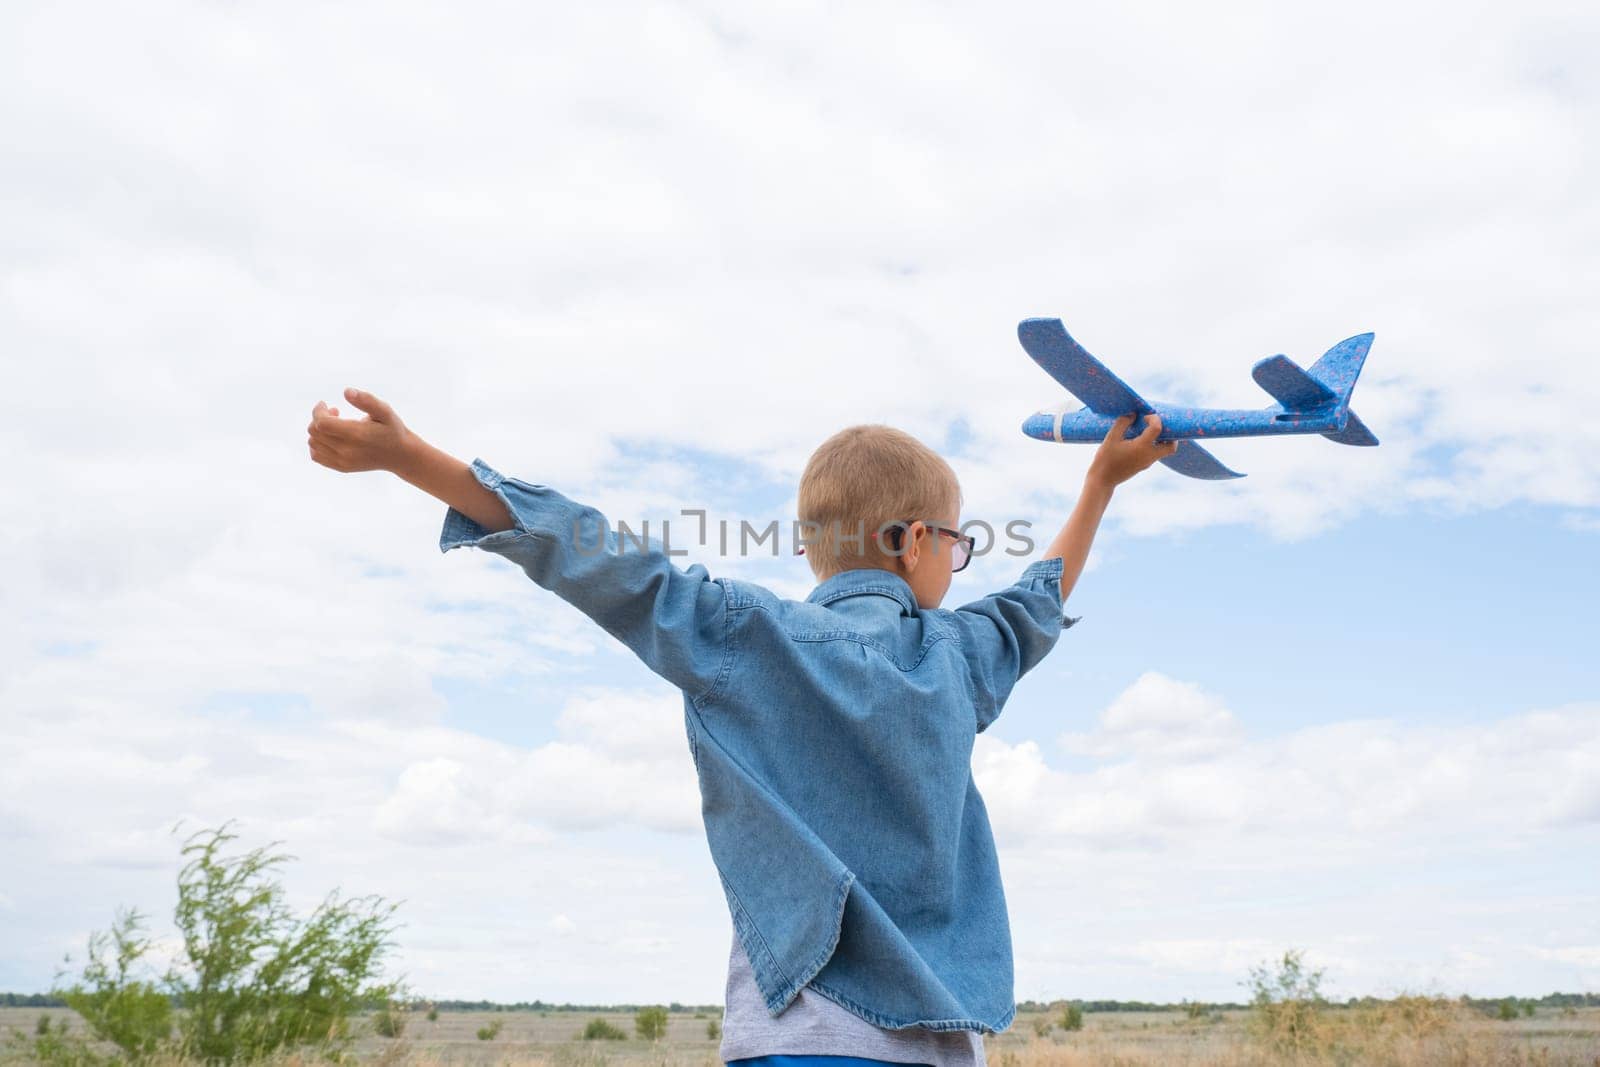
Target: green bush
<point x="651" y="1022"/>
<point x="133" y="1015"/>
<point x="261" y="980"/>
<point x="713" y="1029"/>
<point x="600" y="1030"/>
<point x="250" y="979"/>
<point x="1508" y="1010"/>
<point x="433" y="1015"/>
<point x="1072" y="1017"/>
<point x="389" y="1021"/>
<point x="490" y="1032"/>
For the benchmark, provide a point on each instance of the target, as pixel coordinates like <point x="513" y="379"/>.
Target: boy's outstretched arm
<point x="442" y="475"/>
<point x="675" y="620"/>
<point x="1116" y="460"/>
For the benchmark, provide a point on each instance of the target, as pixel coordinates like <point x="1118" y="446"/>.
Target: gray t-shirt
<point x="814" y="1025"/>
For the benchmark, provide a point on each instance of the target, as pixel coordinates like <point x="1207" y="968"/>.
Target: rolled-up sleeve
<point x="674" y="619"/>
<point x="1005" y="634"/>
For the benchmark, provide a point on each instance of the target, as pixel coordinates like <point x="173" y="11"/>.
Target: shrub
<point x="651" y="1022"/>
<point x="389" y="1021"/>
<point x="713" y="1029"/>
<point x="1290" y="1017"/>
<point x="259" y="980"/>
<point x="1508" y="1010"/>
<point x="1072" y="1017"/>
<point x="1041" y="1027"/>
<point x="1407" y="1029"/>
<point x="133" y="1015"/>
<point x="1287" y="1005"/>
<point x="490" y="1032"/>
<point x="433" y="1015"/>
<point x="599" y="1029"/>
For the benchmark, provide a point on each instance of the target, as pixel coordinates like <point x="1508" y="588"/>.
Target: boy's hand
<point x="1118" y="459"/>
<point x="374" y="443"/>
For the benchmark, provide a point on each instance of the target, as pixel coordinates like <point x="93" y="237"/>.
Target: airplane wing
<point x="1085" y="377"/>
<point x="1092" y="382"/>
<point x="1196" y="462"/>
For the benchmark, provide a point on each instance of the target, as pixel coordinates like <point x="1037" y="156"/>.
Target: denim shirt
<point x="832" y="739"/>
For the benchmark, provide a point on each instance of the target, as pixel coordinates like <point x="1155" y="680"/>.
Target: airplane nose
<point x="1041" y="425"/>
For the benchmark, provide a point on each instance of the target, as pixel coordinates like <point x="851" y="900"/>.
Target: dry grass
<point x="1404" y="1032"/>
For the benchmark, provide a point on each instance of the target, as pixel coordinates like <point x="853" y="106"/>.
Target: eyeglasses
<point x="960" y="552"/>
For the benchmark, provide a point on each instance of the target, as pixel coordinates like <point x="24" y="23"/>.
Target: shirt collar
<point x="865" y="580"/>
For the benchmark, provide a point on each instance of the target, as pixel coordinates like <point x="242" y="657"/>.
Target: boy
<point x="832" y="737"/>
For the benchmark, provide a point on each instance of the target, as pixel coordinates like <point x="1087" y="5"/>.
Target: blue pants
<point x="815" y="1061"/>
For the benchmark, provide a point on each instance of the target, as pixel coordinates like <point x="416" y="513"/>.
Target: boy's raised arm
<point x="673" y="619"/>
<point x="1005" y="634"/>
<point x="1116" y="460"/>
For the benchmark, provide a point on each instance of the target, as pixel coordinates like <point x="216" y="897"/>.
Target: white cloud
<point x="1158" y="718"/>
<point x="465" y="831"/>
<point x="1145" y="865"/>
<point x="646" y="726"/>
<point x="1174" y="767"/>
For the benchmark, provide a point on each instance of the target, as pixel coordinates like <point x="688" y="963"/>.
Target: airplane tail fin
<point x="1338" y="370"/>
<point x="1329" y="380"/>
<point x="1340" y="366"/>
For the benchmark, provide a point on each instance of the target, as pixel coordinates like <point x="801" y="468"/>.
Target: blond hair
<point x="863" y="478"/>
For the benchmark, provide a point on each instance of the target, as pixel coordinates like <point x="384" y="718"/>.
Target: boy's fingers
<point x="377" y="409"/>
<point x="322" y="411"/>
<point x="1119" y="425"/>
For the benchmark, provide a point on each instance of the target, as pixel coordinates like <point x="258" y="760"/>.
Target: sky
<point x="652" y="255"/>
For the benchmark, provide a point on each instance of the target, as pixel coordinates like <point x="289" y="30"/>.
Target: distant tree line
<point x="541" y="1005"/>
<point x="1488" y="1005"/>
<point x="1112" y="1005"/>
<point x="1550" y="1000"/>
<point x="46" y="1000"/>
<point x="30" y="1000"/>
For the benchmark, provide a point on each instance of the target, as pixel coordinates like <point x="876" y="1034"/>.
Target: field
<point x="1110" y="1039"/>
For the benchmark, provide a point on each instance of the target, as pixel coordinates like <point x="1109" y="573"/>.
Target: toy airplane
<point x="1316" y="400"/>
